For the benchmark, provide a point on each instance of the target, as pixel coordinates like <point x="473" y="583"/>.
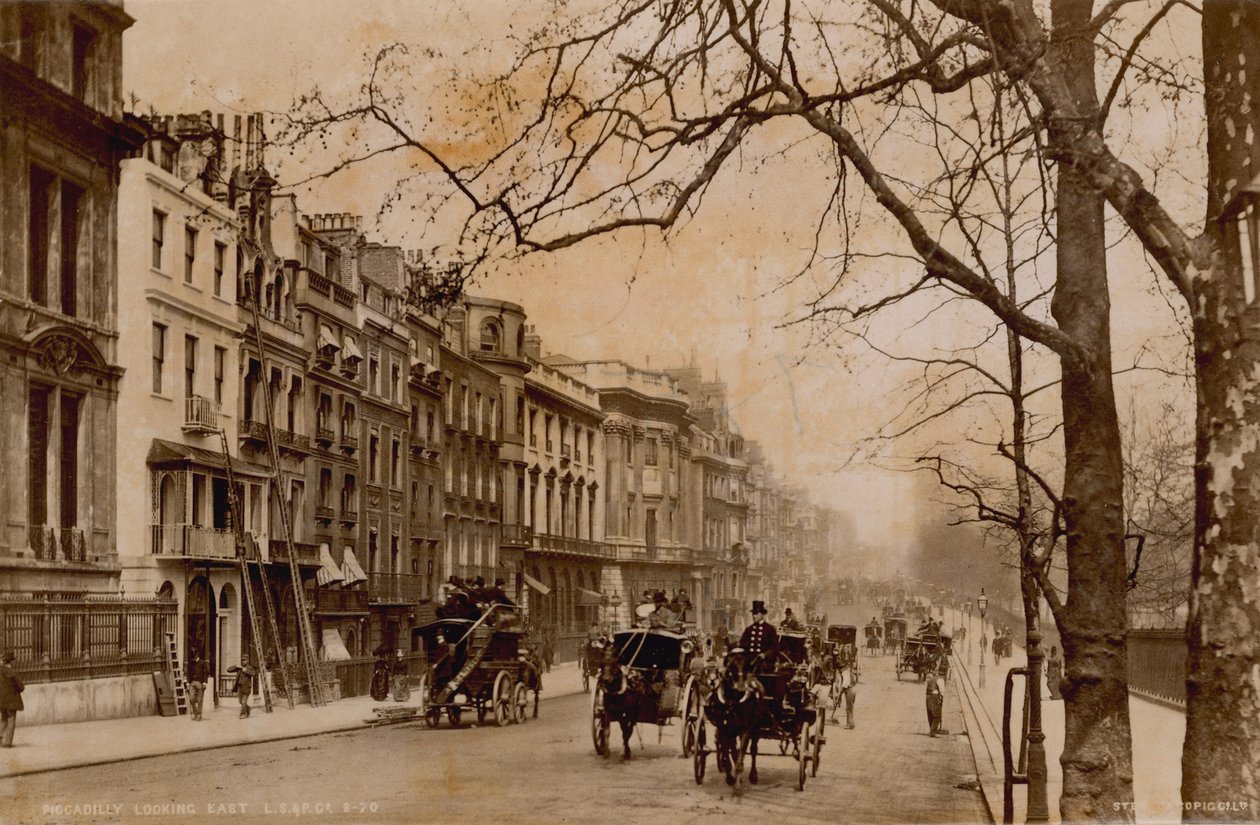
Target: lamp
<point x="1243" y="210"/>
<point x="982" y="602"/>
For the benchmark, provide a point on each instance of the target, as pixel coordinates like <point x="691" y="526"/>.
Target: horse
<point x="625" y="694"/>
<point x="737" y="707"/>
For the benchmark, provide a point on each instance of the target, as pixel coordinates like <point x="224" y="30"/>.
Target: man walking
<point x="935" y="704"/>
<point x="847" y="680"/>
<point x="244" y="683"/>
<point x="11" y="688"/>
<point x="198" y="675"/>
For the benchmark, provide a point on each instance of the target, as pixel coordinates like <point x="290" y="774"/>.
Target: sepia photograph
<point x="589" y="411"/>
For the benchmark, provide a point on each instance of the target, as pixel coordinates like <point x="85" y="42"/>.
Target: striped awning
<point x="350" y="569"/>
<point x="327" y="339"/>
<point x="334" y="647"/>
<point x="351" y="350"/>
<point x="329" y="572"/>
<point x="536" y="584"/>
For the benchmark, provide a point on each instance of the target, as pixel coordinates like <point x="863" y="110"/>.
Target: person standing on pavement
<point x="935" y="704"/>
<point x="847" y="678"/>
<point x="1054" y="672"/>
<point x="244" y="683"/>
<point x="198" y="675"/>
<point x="11" y="688"/>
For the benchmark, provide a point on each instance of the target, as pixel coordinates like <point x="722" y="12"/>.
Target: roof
<point x="172" y="452"/>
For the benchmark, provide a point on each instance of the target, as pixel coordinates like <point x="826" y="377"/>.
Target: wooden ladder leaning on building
<point x="247" y="552"/>
<point x="178" y="685"/>
<point x="306" y="634"/>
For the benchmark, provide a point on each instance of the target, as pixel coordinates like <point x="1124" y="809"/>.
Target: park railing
<point x="1157" y="664"/>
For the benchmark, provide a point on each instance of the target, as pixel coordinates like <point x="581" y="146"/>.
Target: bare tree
<point x="623" y="118"/>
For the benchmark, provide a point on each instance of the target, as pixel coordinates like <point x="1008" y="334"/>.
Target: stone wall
<point x="117" y="697"/>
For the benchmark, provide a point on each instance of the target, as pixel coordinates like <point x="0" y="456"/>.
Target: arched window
<point x="491" y="336"/>
<point x="520" y="341"/>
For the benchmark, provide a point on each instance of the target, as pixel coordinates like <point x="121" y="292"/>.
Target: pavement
<point x="41" y="748"/>
<point x="1158" y="731"/>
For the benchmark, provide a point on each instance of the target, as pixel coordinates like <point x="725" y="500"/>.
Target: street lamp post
<point x="1038" y="806"/>
<point x="982" y="602"/>
<point x="970" y="641"/>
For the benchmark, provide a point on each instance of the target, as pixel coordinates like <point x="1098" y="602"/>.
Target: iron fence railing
<point x="1157" y="664"/>
<point x="58" y="638"/>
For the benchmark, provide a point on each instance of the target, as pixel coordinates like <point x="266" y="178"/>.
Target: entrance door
<point x="199" y="622"/>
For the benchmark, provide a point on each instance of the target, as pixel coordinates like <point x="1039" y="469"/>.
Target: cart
<point x="662" y="660"/>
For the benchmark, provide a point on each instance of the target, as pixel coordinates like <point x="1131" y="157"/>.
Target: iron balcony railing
<point x="193" y="541"/>
<point x="395" y="588"/>
<point x="323" y="435"/>
<point x="334" y="599"/>
<point x="516" y="534"/>
<point x="58" y="543"/>
<point x="573" y="546"/>
<point x="201" y="415"/>
<point x="305" y="553"/>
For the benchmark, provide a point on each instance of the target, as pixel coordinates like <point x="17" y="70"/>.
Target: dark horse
<point x="737" y="707"/>
<point x="625" y="696"/>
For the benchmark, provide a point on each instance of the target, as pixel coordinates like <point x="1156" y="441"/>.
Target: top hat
<point x="500" y="582"/>
<point x="659" y="597"/>
<point x="787" y="612"/>
<point x="479" y="581"/>
<point x="759" y="606"/>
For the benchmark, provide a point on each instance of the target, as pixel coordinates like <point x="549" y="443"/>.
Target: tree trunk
<point x="1097" y="758"/>
<point x="1221" y="758"/>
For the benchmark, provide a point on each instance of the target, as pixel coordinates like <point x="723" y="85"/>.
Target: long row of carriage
<point x="727" y="707"/>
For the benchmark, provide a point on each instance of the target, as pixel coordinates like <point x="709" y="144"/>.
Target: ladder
<point x="306" y="634"/>
<point x="474" y="656"/>
<point x="177" y="675"/>
<point x="246" y="551"/>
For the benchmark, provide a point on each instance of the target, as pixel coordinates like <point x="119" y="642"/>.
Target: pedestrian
<point x="399" y="685"/>
<point x="997" y="648"/>
<point x="1054" y="672"/>
<point x="382" y="669"/>
<point x="548" y="648"/>
<point x="244" y="683"/>
<point x="198" y="675"/>
<point x="848" y="692"/>
<point x="11" y="688"/>
<point x="935" y="704"/>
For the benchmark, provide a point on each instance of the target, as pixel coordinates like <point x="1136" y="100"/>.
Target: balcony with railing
<point x="192" y="541"/>
<point x="255" y="431"/>
<point x="58" y="543"/>
<point x="337" y="600"/>
<point x="323" y="435"/>
<point x="569" y="546"/>
<point x="201" y="416"/>
<point x="306" y="553"/>
<point x="349" y="443"/>
<point x="324" y="513"/>
<point x="395" y="588"/>
<point x="516" y="535"/>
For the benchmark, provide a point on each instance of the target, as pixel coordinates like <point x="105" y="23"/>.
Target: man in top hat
<point x="11" y="688"/>
<point x="662" y="616"/>
<point x="790" y="622"/>
<point x="760" y="636"/>
<point x="495" y="594"/>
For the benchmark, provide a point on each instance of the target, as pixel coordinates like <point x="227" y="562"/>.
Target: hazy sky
<point x="711" y="289"/>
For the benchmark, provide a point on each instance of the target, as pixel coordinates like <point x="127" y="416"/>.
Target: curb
<point x="277" y="737"/>
<point x="990" y="789"/>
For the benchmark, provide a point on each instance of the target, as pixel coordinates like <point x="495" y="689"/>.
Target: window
<point x="428" y="426"/>
<point x="463" y="406"/>
<point x="395" y="469"/>
<point x="491" y="336"/>
<point x="669" y="455"/>
<point x="348" y="494"/>
<point x="520" y="414"/>
<point x="64" y="214"/>
<point x="374" y="376"/>
<point x="649" y="457"/>
<point x="37" y="452"/>
<point x="190" y="366"/>
<point x="295" y="405"/>
<point x="80" y="76"/>
<point x="159" y="237"/>
<point x="478" y="421"/>
<point x="374" y="454"/>
<point x="40" y="204"/>
<point x="220" y="252"/>
<point x="220" y="360"/>
<point x="325" y="487"/>
<point x="533" y="424"/>
<point x="395" y="382"/>
<point x="590" y="447"/>
<point x="547" y="432"/>
<point x="347" y="420"/>
<point x="34" y="21"/>
<point x="159" y="356"/>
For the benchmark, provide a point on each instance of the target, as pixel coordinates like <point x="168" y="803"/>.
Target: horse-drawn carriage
<point x="758" y="699"/>
<point x="645" y="677"/>
<point x="924" y="653"/>
<point x="874" y="638"/>
<point x="590" y="660"/>
<point x="480" y="666"/>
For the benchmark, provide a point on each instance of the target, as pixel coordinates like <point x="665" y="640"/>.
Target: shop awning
<point x="329" y="572"/>
<point x="351" y="350"/>
<point x="327" y="339"/>
<point x="536" y="584"/>
<point x="589" y="597"/>
<point x="350" y="569"/>
<point x="334" y="647"/>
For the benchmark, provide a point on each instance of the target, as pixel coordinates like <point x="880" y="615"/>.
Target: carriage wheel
<point x="802" y="756"/>
<point x="422" y="691"/>
<point x="503" y="698"/>
<point x="599" y="722"/>
<point x="433" y="716"/>
<point x="520" y="703"/>
<point x="692" y="715"/>
<point x="699" y="753"/>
